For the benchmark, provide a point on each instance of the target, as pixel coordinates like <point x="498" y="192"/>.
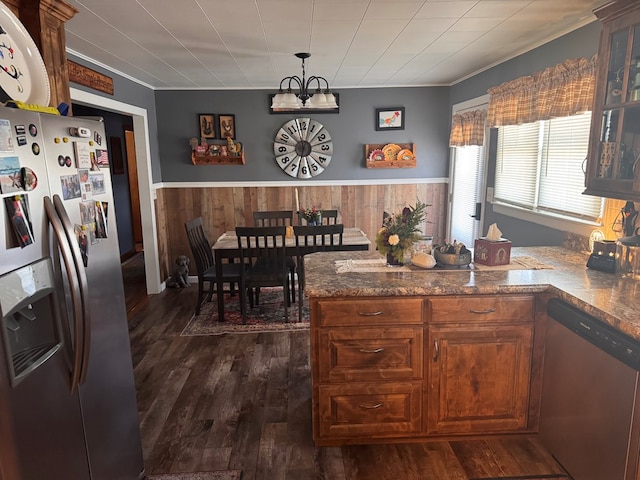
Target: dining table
<point x="226" y="247"/>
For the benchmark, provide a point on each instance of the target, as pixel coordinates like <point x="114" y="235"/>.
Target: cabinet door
<point x="479" y="378"/>
<point x="613" y="169"/>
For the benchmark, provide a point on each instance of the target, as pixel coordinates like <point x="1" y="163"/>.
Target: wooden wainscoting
<point x="223" y="208"/>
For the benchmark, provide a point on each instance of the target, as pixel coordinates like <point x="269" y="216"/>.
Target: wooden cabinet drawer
<point x="370" y="409"/>
<point x="506" y="308"/>
<point x="370" y="311"/>
<point x="347" y="354"/>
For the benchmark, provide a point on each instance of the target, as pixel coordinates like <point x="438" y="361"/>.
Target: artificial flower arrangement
<point x="400" y="231"/>
<point x="311" y="215"/>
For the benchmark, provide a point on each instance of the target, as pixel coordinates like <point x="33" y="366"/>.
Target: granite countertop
<point x="606" y="296"/>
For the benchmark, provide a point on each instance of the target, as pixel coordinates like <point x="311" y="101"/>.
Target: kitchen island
<point x="413" y="354"/>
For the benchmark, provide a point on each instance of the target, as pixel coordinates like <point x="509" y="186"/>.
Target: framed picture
<point x="390" y="118"/>
<point x="227" y="126"/>
<point x="207" y="125"/>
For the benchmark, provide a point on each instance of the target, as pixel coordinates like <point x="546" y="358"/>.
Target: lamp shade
<point x="289" y="100"/>
<point x="331" y="100"/>
<point x="276" y="102"/>
<point x="318" y="100"/>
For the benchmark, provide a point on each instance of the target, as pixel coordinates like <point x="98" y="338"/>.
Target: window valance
<point x="559" y="91"/>
<point x="467" y="128"/>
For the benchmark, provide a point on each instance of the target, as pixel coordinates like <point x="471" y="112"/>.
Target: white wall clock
<point x="303" y="148"/>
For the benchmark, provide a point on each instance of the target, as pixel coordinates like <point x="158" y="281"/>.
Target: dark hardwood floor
<point x="244" y="402"/>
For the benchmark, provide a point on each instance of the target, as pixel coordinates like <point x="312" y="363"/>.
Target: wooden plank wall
<point x="224" y="208"/>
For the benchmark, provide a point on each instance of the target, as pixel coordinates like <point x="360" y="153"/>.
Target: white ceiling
<point x="245" y="44"/>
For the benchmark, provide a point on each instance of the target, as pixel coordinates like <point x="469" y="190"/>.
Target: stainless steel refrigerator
<point x="67" y="393"/>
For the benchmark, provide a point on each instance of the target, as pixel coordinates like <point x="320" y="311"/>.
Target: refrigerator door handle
<point x="72" y="276"/>
<point x="83" y="284"/>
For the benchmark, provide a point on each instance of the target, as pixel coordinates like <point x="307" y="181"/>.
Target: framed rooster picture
<point x="390" y="118"/>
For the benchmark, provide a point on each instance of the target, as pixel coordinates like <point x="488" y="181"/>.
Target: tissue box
<point x="491" y="253"/>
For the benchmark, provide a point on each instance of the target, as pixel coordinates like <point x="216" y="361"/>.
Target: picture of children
<point x="18" y="211"/>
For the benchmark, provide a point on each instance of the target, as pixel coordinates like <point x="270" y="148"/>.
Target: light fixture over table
<point x="300" y="94"/>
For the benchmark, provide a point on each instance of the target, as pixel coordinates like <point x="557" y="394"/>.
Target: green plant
<point x="401" y="230"/>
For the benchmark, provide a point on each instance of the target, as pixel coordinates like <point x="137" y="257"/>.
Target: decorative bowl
<point x="452" y="259"/>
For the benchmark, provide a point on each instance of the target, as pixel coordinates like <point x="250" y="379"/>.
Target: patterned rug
<point x="266" y="317"/>
<point x="220" y="475"/>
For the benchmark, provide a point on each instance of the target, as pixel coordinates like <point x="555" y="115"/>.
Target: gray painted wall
<point x="580" y="43"/>
<point x="426" y="125"/>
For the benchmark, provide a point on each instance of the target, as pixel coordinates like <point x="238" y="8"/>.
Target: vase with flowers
<point x="312" y="215"/>
<point x="399" y="232"/>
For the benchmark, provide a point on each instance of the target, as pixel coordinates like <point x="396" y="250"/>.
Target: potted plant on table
<point x="312" y="215"/>
<point x="399" y="232"/>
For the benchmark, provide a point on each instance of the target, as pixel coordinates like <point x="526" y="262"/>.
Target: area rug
<point x="266" y="317"/>
<point x="219" y="475"/>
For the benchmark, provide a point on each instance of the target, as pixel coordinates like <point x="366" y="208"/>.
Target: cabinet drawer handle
<point x="436" y="350"/>
<point x="371" y="406"/>
<point x="376" y="350"/>
<point x="370" y="314"/>
<point x="480" y="312"/>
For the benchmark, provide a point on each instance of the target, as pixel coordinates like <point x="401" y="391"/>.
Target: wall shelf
<point x="206" y="159"/>
<point x="396" y="163"/>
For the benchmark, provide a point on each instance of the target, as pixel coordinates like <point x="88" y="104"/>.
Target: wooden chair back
<point x="200" y="246"/>
<point x="317" y="238"/>
<point x="273" y="218"/>
<point x="263" y="251"/>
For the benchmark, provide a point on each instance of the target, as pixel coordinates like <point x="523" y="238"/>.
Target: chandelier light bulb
<point x="321" y="98"/>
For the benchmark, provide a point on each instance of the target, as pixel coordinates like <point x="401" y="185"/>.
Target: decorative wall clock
<point x="303" y="148"/>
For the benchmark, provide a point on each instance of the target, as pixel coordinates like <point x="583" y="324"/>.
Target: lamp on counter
<point x="299" y="94"/>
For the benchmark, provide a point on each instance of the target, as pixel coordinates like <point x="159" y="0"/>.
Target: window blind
<point x="539" y="167"/>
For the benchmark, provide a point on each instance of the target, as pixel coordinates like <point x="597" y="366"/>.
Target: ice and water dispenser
<point x="30" y="329"/>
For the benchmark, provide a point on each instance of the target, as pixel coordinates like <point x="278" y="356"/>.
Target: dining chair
<point x="311" y="239"/>
<point x="203" y="257"/>
<point x="327" y="217"/>
<point x="273" y="218"/>
<point x="262" y="252"/>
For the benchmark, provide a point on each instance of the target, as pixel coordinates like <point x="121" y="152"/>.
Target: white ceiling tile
<point x="445" y="9"/>
<point x="250" y="43"/>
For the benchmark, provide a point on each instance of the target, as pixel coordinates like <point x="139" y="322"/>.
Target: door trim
<point x="145" y="185"/>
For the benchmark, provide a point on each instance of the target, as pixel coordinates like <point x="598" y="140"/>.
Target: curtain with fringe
<point x="467" y="128"/>
<point x="559" y="91"/>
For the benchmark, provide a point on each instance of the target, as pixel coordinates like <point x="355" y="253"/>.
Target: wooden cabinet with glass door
<point x="613" y="166"/>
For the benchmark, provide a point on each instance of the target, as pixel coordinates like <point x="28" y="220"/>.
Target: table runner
<point x="380" y="265"/>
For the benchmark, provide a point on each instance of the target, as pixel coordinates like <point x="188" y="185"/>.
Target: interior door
<point x="132" y="170"/>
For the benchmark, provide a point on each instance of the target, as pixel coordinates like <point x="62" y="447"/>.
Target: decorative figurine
<point x="234" y="148"/>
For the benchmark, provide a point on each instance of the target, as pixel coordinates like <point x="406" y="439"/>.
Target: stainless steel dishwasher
<point x="588" y="416"/>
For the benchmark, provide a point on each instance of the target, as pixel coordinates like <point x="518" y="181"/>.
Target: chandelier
<point x="320" y="98"/>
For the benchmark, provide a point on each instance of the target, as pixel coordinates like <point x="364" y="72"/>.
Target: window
<point x="539" y="167"/>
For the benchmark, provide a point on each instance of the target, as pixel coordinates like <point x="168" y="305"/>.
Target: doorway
<point x="467" y="186"/>
<point x="145" y="185"/>
<point x="124" y="178"/>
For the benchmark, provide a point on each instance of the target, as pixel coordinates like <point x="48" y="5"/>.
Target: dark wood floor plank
<point x="273" y="456"/>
